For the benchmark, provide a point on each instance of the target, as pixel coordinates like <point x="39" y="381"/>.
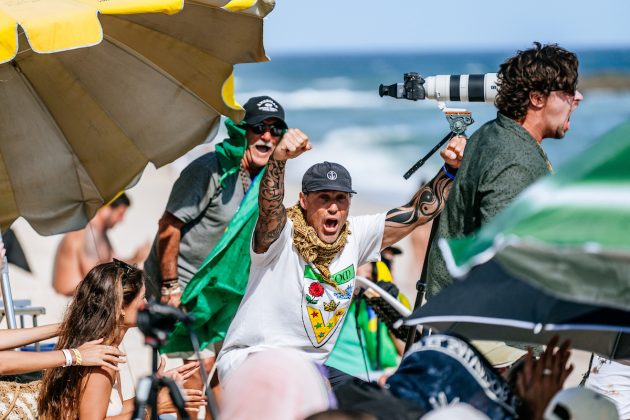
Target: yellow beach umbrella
<point x="80" y="125"/>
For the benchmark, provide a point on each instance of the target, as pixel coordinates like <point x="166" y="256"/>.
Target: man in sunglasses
<point x="537" y="93"/>
<point x="211" y="194"/>
<point x="207" y="195"/>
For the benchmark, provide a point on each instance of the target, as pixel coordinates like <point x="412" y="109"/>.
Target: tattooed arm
<point x="427" y="203"/>
<point x="272" y="214"/>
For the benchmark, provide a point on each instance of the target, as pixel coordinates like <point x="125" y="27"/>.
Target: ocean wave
<point x="339" y="82"/>
<point x="375" y="164"/>
<point x="311" y="98"/>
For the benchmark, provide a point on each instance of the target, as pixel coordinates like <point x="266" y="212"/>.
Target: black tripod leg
<point x="426" y="157"/>
<point x="143" y="393"/>
<point x="421" y="286"/>
<point x="176" y="396"/>
<point x="212" y="403"/>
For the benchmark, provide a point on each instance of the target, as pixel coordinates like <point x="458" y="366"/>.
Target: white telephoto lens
<point x="462" y="87"/>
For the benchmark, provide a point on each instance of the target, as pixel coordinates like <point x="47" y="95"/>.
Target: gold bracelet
<point x="77" y="355"/>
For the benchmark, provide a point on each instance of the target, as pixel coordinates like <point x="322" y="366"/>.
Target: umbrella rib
<point x="25" y="80"/>
<point x="190" y="4"/>
<point x="474" y="319"/>
<point x="158" y="69"/>
<point x="106" y="112"/>
<point x="590" y="327"/>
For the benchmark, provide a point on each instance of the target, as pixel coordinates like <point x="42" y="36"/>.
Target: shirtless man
<point x="81" y="250"/>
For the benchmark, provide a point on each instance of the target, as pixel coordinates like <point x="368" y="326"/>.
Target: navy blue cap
<point x="259" y="108"/>
<point x="327" y="176"/>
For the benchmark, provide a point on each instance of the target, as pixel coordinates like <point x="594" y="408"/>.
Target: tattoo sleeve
<point x="273" y="215"/>
<point x="427" y="203"/>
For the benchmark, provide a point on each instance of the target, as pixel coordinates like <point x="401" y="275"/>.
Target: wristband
<point x="173" y="290"/>
<point x="67" y="356"/>
<point x="170" y="282"/>
<point x="77" y="355"/>
<point x="451" y="176"/>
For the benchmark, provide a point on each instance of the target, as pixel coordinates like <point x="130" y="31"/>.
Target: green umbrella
<point x="568" y="233"/>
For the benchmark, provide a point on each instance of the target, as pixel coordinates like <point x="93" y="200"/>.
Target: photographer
<point x="537" y="92"/>
<point x="304" y="258"/>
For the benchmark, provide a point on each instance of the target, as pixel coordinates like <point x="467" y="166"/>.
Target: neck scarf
<point x="313" y="249"/>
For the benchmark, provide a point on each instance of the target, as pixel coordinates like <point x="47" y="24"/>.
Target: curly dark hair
<point x="541" y="69"/>
<point x="93" y="313"/>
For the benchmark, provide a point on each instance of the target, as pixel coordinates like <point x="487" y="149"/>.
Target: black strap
<point x="588" y="371"/>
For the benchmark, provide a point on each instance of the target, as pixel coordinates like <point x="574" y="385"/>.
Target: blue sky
<point x="425" y="25"/>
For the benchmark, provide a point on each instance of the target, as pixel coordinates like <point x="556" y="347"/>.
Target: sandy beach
<point x="149" y="197"/>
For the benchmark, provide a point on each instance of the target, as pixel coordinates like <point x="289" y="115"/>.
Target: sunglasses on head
<point x="126" y="268"/>
<point x="261" y="128"/>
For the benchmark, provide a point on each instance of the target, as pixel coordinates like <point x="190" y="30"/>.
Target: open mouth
<point x="330" y="225"/>
<point x="262" y="148"/>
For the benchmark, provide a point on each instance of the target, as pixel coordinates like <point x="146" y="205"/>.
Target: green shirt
<point x="500" y="161"/>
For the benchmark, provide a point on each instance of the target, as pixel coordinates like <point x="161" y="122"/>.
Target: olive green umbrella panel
<point x="92" y="91"/>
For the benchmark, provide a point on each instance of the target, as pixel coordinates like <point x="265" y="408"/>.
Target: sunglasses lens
<point x="258" y="128"/>
<point x="275" y="131"/>
<point x="261" y="128"/>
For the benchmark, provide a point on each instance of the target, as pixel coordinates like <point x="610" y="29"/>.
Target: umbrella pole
<point x="7" y="297"/>
<point x="421" y="284"/>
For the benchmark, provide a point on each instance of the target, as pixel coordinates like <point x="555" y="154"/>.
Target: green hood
<point x="231" y="150"/>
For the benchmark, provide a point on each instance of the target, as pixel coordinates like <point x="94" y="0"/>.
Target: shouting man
<point x="304" y="258"/>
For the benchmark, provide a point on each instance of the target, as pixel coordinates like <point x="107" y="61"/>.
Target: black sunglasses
<point x="261" y="128"/>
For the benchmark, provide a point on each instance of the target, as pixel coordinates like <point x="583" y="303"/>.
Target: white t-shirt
<point x="612" y="379"/>
<point x="285" y="305"/>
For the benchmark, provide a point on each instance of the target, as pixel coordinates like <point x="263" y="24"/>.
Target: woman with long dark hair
<point x="105" y="306"/>
<point x="13" y="363"/>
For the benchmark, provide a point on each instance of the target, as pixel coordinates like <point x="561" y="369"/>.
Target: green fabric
<point x="231" y="150"/>
<point x="346" y="355"/>
<point x="501" y="160"/>
<point x="568" y="233"/>
<point x="215" y="291"/>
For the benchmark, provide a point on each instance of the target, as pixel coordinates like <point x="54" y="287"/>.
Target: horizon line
<point x="437" y="51"/>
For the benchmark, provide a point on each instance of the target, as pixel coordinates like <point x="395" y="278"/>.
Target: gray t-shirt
<point x="206" y="208"/>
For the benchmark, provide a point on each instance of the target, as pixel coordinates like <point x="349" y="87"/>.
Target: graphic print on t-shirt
<point x="323" y="307"/>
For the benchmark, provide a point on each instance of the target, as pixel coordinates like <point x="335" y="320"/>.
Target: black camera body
<point x="156" y="321"/>
<point x="412" y="88"/>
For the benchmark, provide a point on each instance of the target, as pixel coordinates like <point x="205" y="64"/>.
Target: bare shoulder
<point x="69" y="250"/>
<point x="97" y="388"/>
<point x="100" y="373"/>
<point x="72" y="241"/>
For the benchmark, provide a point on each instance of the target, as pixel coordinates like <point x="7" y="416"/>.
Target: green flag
<point x="215" y="291"/>
<point x="568" y="233"/>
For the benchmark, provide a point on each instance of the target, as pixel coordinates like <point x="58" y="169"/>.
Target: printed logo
<point x="347" y="294"/>
<point x="332" y="175"/>
<point x="267" y="105"/>
<point x="315" y="290"/>
<point x="323" y="306"/>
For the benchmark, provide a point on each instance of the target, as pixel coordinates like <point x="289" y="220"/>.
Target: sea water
<point x="334" y="99"/>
